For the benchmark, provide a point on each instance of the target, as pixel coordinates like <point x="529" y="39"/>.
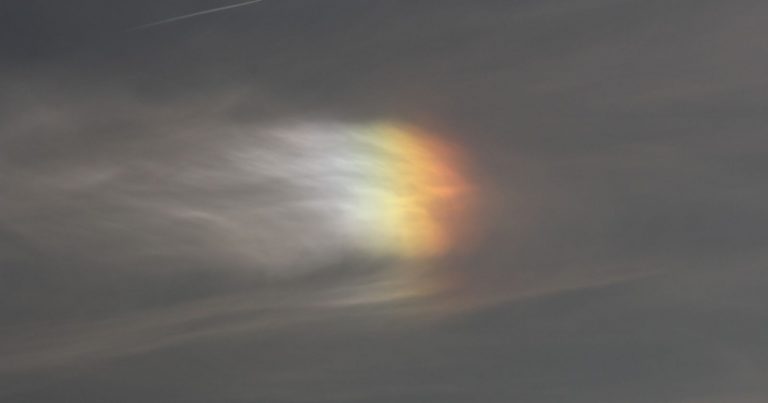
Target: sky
<point x="306" y="201"/>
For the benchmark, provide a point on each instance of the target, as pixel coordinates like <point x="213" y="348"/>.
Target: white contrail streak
<point x="197" y="14"/>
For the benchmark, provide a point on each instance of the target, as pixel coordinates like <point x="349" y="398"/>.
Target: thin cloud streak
<point x="193" y="15"/>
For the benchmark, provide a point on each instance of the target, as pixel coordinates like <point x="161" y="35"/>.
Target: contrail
<point x="197" y="14"/>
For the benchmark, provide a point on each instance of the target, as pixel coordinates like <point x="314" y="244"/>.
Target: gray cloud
<point x="617" y="145"/>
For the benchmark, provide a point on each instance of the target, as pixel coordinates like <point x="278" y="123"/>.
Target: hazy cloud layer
<point x="152" y="249"/>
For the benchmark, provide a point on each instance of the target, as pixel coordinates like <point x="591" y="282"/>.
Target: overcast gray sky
<point x="170" y="200"/>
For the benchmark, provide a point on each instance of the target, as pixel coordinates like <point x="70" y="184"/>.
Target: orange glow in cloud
<point x="422" y="193"/>
<point x="417" y="201"/>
